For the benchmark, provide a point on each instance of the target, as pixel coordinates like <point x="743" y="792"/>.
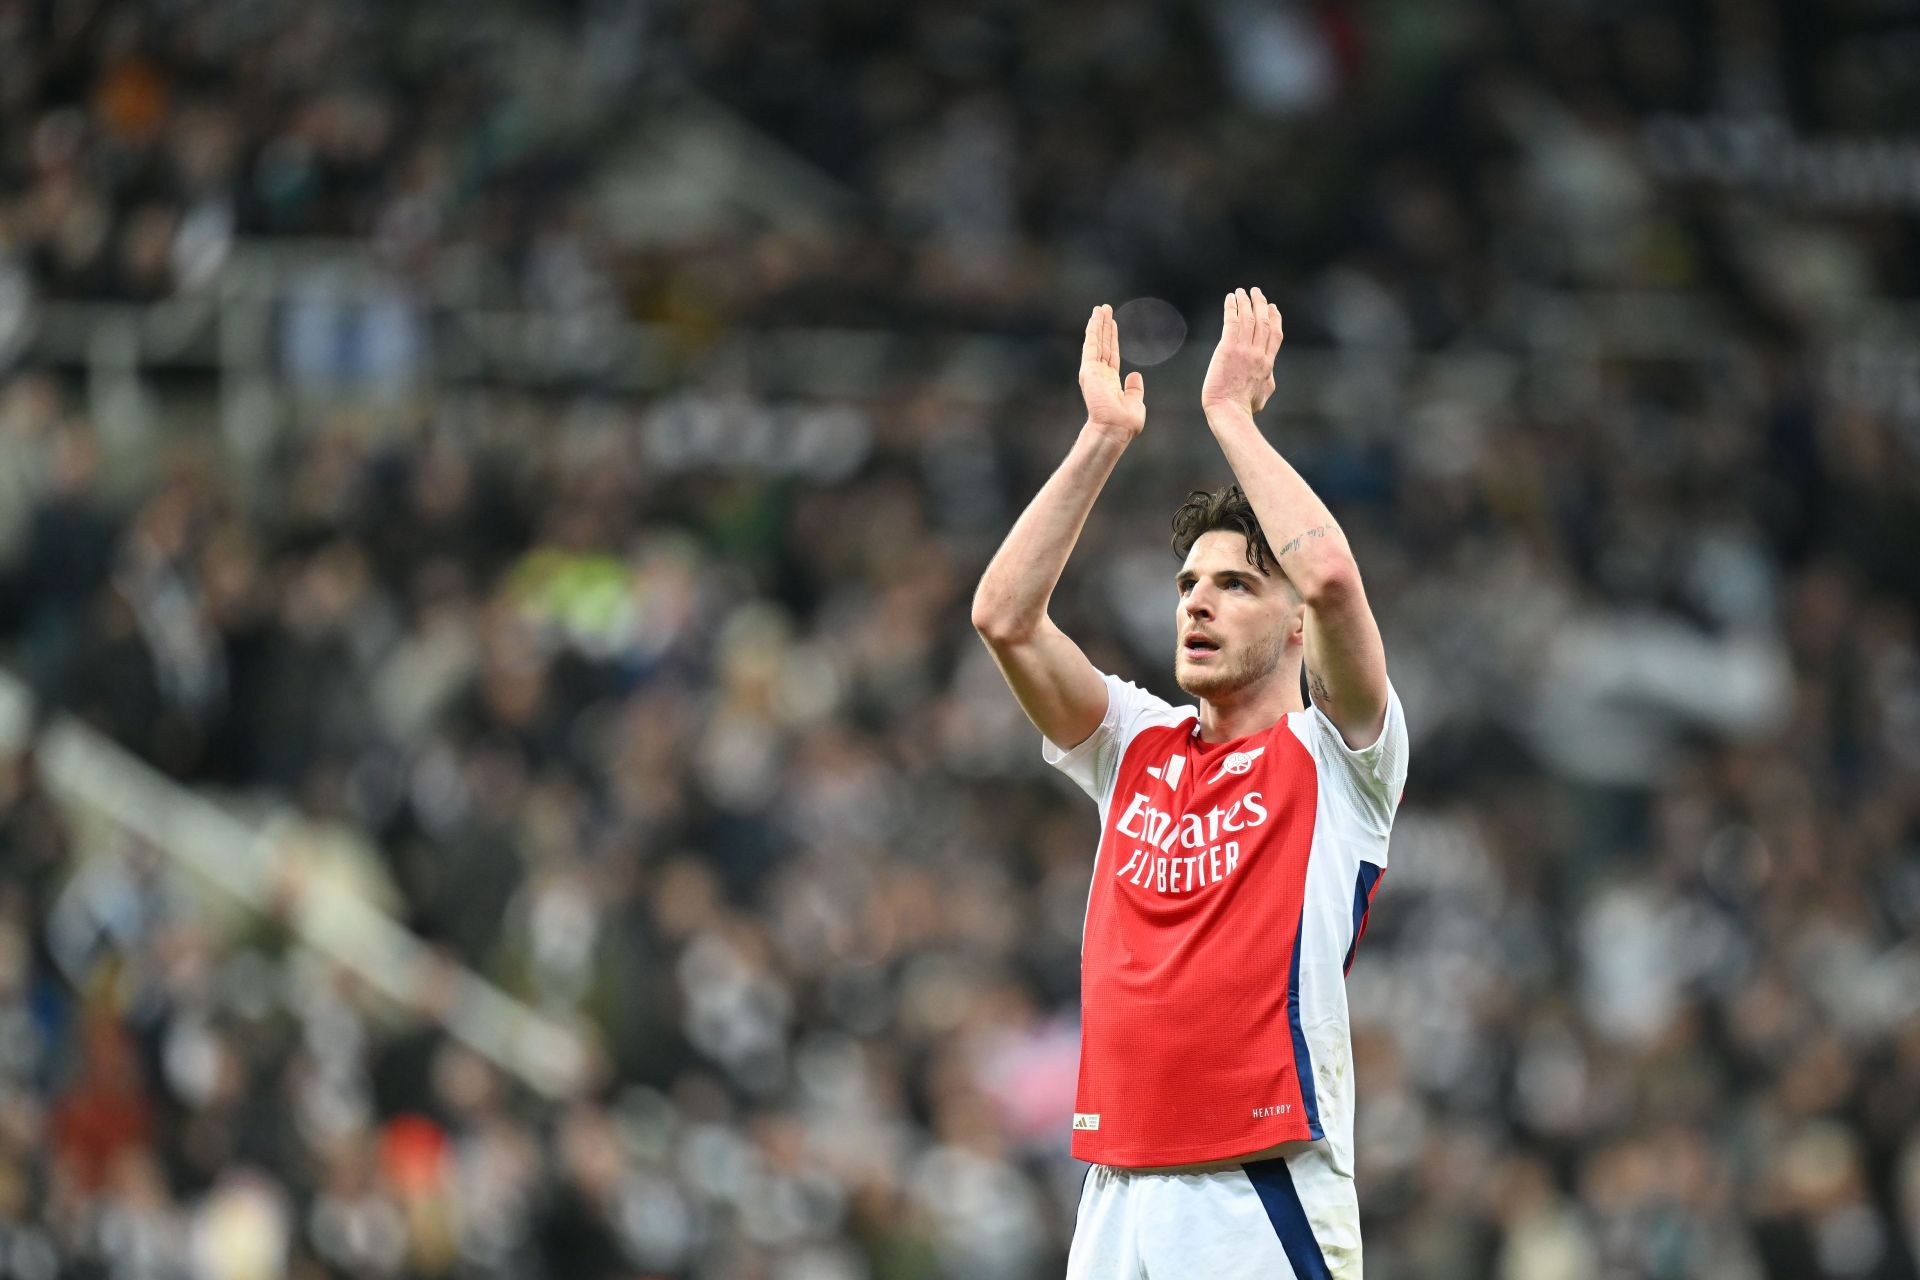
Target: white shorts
<point x="1293" y="1215"/>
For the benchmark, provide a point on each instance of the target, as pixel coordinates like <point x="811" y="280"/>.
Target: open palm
<point x="1116" y="407"/>
<point x="1241" y="371"/>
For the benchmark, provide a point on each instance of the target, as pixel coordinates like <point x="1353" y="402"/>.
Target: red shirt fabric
<point x="1229" y="890"/>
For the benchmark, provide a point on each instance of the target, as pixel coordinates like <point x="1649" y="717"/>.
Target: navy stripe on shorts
<point x="1274" y="1182"/>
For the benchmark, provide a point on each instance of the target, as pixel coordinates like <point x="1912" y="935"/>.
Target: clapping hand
<point x="1240" y="374"/>
<point x="1115" y="408"/>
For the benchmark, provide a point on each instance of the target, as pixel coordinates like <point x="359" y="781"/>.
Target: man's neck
<point x="1251" y="709"/>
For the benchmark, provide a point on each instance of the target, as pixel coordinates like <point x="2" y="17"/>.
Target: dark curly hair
<point x="1227" y="509"/>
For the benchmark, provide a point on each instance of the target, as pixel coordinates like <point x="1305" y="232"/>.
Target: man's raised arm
<point x="1057" y="686"/>
<point x="1345" y="659"/>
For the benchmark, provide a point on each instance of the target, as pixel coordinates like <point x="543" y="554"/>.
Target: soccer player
<point x="1242" y="839"/>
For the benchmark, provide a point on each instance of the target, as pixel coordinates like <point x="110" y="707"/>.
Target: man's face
<point x="1232" y="620"/>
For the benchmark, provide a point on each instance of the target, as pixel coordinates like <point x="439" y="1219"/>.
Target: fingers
<point x="1136" y="386"/>
<point x="1102" y="343"/>
<point x="1243" y="316"/>
<point x="1268" y="318"/>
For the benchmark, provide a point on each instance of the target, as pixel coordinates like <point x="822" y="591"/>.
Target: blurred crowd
<point x="695" y="751"/>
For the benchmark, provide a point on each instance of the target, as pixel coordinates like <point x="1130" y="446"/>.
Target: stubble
<point x="1248" y="667"/>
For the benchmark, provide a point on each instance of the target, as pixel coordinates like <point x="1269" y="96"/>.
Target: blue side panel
<point x="1302" y="1057"/>
<point x="1363" y="887"/>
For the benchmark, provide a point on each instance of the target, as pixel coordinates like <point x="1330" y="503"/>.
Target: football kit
<point x="1229" y="893"/>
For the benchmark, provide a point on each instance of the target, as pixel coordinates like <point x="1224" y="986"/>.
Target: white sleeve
<point x="1372" y="778"/>
<point x="1093" y="763"/>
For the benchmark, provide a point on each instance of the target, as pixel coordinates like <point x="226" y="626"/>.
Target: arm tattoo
<point x="1318" y="531"/>
<point x="1321" y="694"/>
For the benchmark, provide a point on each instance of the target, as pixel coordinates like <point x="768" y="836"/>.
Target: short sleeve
<point x="1373" y="777"/>
<point x="1093" y="763"/>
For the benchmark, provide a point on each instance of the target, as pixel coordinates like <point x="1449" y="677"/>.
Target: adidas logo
<point x="1169" y="772"/>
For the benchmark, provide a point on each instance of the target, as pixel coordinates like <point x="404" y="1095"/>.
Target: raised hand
<point x="1116" y="408"/>
<point x="1240" y="374"/>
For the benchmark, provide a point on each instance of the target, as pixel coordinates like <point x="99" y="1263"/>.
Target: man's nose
<point x="1197" y="605"/>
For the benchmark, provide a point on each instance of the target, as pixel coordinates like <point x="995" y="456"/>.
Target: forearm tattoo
<point x="1318" y="531"/>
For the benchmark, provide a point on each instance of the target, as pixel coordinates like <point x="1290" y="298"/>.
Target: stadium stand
<point x="548" y="449"/>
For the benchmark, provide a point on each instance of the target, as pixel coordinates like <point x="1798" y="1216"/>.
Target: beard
<point x="1223" y="678"/>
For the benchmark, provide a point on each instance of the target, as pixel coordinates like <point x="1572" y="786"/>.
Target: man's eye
<point x="1184" y="587"/>
<point x="1234" y="584"/>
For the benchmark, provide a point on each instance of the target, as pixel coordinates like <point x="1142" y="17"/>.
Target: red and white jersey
<point x="1230" y="890"/>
